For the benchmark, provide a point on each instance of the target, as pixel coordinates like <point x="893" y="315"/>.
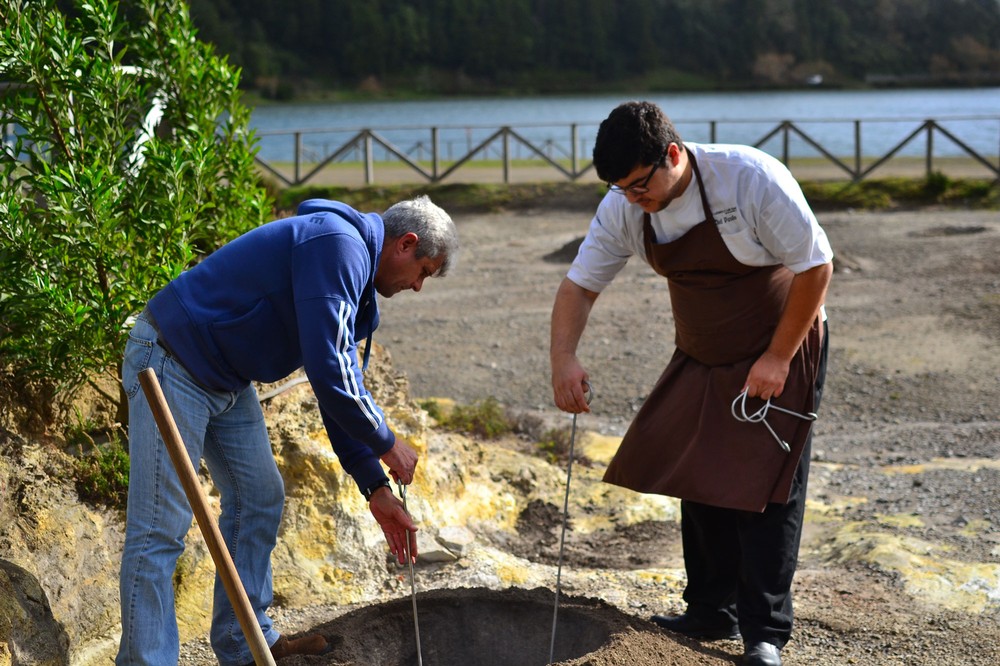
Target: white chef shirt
<point x="757" y="204"/>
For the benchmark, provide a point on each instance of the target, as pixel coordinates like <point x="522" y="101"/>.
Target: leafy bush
<point x="555" y="445"/>
<point x="485" y="418"/>
<point x="102" y="476"/>
<point x="130" y="157"/>
<point x="433" y="409"/>
<point x="889" y="193"/>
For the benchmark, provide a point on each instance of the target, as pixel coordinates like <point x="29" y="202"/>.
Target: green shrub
<point x="485" y="418"/>
<point x="102" y="476"/>
<point x="935" y="185"/>
<point x="889" y="193"/>
<point x="433" y="409"/>
<point x="555" y="443"/>
<point x="78" y="434"/>
<point x="131" y="158"/>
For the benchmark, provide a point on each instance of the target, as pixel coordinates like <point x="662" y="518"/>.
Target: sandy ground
<point x="905" y="483"/>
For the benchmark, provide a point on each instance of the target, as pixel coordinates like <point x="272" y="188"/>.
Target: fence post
<point x="785" y="124"/>
<point x="298" y="155"/>
<point x="506" y="155"/>
<point x="435" y="154"/>
<point x="369" y="159"/>
<point x="929" y="124"/>
<point x="857" y="149"/>
<point x="574" y="136"/>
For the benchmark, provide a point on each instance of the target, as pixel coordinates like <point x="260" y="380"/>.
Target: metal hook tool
<point x="739" y="411"/>
<point x="413" y="584"/>
<point x="562" y="537"/>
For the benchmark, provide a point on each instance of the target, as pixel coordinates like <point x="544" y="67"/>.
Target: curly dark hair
<point x="635" y="134"/>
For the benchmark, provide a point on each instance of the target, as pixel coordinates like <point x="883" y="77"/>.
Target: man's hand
<point x="569" y="382"/>
<point x="396" y="524"/>
<point x="767" y="376"/>
<point x="806" y="294"/>
<point x="401" y="460"/>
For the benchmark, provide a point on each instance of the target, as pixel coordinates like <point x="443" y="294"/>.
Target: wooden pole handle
<point x="209" y="528"/>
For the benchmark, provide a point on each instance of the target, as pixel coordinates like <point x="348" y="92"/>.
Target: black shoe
<point x="761" y="654"/>
<point x="695" y="627"/>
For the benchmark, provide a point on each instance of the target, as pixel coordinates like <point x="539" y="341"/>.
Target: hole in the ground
<point x="949" y="231"/>
<point x="474" y="627"/>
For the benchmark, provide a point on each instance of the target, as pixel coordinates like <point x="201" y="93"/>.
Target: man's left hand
<point x="396" y="524"/>
<point x="767" y="377"/>
<point x="402" y="461"/>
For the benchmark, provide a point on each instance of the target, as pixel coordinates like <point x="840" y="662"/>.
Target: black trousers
<point x="740" y="564"/>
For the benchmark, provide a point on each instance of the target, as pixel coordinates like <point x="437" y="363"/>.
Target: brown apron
<point x="685" y="442"/>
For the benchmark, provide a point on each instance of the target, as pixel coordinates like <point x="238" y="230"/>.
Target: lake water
<point x="888" y="117"/>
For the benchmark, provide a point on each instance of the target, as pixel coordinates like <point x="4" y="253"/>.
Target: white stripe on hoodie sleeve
<point x="351" y="387"/>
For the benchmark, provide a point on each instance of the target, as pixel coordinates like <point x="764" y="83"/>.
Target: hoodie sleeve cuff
<point x="370" y="471"/>
<point x="382" y="440"/>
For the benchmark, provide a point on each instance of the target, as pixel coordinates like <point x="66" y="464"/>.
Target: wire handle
<point x="738" y="408"/>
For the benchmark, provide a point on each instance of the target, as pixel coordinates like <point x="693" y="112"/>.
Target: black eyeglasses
<point x="638" y="188"/>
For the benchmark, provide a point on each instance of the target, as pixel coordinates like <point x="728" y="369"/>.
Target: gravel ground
<point x="909" y="418"/>
<point x="908" y="438"/>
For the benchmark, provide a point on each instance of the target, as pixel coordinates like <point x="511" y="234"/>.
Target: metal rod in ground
<point x="562" y="541"/>
<point x="413" y="583"/>
<point x="565" y="521"/>
<point x="209" y="528"/>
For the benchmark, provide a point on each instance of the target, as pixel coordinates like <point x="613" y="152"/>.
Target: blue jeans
<point x="226" y="430"/>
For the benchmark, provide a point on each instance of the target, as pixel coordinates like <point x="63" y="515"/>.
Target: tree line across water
<point x="539" y="46"/>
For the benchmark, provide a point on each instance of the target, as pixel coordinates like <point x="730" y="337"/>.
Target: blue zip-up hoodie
<point x="296" y="292"/>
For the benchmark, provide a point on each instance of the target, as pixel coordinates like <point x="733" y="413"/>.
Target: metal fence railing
<point x="833" y="148"/>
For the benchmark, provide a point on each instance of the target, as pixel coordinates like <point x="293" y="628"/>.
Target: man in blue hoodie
<point x="297" y="292"/>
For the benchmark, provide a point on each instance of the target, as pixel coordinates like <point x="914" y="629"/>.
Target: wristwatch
<point x="370" y="490"/>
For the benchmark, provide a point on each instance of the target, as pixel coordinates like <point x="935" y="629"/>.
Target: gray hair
<point x="437" y="233"/>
